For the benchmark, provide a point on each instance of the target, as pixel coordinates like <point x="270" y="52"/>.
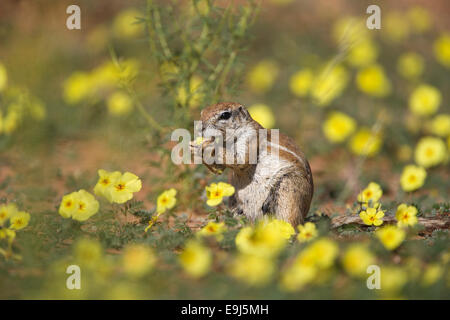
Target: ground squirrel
<point x="279" y="184"/>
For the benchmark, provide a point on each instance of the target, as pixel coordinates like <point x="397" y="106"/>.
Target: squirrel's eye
<point x="225" y="115"/>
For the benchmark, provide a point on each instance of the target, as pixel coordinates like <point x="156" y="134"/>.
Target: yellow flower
<point x="19" y="220"/>
<point x="216" y="192"/>
<point x="192" y="97"/>
<point x="410" y="65"/>
<point x="86" y="206"/>
<point x="392" y="279"/>
<point x="306" y="232"/>
<point x="125" y="25"/>
<point x="363" y="53"/>
<point x="77" y="87"/>
<point x="425" y="100"/>
<point x="356" y="259"/>
<point x="69" y="205"/>
<point x="338" y="127"/>
<point x="396" y="27"/>
<point x="320" y="254"/>
<point x="441" y="49"/>
<point x="3" y="77"/>
<point x="262" y="76"/>
<point x="301" y="82"/>
<point x="166" y="200"/>
<point x="315" y="258"/>
<point x="373" y="81"/>
<point x="122" y="189"/>
<point x="390" y="236"/>
<point x="296" y="276"/>
<point x="108" y="74"/>
<point x="370" y="195"/>
<point x="365" y="142"/>
<point x="88" y="252"/>
<point x="372" y="217"/>
<point x="284" y="228"/>
<point x="105" y="180"/>
<point x="7" y="211"/>
<point x="251" y="269"/>
<point x="420" y="19"/>
<point x="430" y="151"/>
<point x="440" y="125"/>
<point x="266" y="239"/>
<point x="406" y="215"/>
<point x="262" y="114"/>
<point x="432" y="274"/>
<point x="195" y="259"/>
<point x="80" y="205"/>
<point x="137" y="260"/>
<point x="329" y="84"/>
<point x="10" y="234"/>
<point x="413" y="177"/>
<point x="119" y="103"/>
<point x="11" y="121"/>
<point x="213" y="229"/>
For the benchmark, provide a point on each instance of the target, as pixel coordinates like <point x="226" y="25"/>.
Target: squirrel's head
<point x="226" y="118"/>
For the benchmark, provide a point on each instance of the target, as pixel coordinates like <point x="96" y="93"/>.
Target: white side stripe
<point x="288" y="151"/>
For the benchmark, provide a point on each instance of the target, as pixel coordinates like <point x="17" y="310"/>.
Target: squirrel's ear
<point x="244" y="112"/>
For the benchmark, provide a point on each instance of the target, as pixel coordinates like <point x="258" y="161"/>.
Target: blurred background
<point x="358" y="101"/>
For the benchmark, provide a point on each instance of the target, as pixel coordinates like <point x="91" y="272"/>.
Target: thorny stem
<point x="125" y="83"/>
<point x="207" y="40"/>
<point x="142" y="110"/>
<point x="160" y="32"/>
<point x="225" y="72"/>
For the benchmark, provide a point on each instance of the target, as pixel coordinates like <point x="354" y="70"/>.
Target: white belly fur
<point x="251" y="192"/>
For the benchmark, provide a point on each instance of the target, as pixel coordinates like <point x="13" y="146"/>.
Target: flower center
<point x="105" y="181"/>
<point x="120" y="186"/>
<point x="429" y="152"/>
<point x="82" y="206"/>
